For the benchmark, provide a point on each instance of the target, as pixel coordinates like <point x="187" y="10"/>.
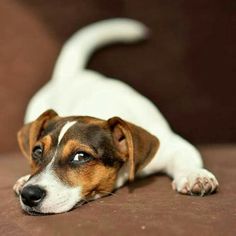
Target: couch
<point x="186" y="68"/>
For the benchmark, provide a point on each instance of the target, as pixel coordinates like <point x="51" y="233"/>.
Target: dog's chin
<point x="34" y="211"/>
<point x="38" y="212"/>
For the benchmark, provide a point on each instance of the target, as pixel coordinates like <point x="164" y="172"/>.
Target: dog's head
<point x="76" y="159"/>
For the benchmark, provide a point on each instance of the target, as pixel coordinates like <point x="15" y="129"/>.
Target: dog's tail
<point x="77" y="50"/>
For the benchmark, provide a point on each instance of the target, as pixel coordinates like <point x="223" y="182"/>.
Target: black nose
<point x="32" y="195"/>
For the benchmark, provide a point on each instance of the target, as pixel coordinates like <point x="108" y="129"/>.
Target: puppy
<point x="75" y="158"/>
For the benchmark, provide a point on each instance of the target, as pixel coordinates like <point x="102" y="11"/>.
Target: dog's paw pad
<point x="20" y="183"/>
<point x="198" y="182"/>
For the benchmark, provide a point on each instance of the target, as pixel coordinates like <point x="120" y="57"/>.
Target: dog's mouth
<point x="35" y="212"/>
<point x="79" y="203"/>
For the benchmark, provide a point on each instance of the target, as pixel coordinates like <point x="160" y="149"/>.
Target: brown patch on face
<point x="93" y="178"/>
<point x="92" y="121"/>
<point x="73" y="146"/>
<point x="46" y="144"/>
<point x="34" y="167"/>
<point x="100" y="180"/>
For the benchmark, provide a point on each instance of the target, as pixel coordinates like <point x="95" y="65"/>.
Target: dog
<point x="119" y="135"/>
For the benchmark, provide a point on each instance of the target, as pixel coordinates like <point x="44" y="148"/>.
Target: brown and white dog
<point x="75" y="159"/>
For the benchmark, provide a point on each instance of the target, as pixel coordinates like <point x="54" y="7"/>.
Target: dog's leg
<point x="20" y="183"/>
<point x="184" y="165"/>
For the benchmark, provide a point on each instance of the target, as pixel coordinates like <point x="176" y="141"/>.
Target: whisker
<point x="110" y="193"/>
<point x="80" y="203"/>
<point x="83" y="199"/>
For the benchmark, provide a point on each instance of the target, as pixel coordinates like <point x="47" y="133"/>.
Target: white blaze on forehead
<point x="64" y="129"/>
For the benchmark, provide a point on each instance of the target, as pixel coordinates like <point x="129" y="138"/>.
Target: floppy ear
<point x="29" y="133"/>
<point x="134" y="144"/>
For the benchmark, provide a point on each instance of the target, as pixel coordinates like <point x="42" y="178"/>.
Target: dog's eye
<point x="37" y="152"/>
<point x="80" y="158"/>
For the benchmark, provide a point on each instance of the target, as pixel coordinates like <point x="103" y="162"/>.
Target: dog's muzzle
<point x="32" y="195"/>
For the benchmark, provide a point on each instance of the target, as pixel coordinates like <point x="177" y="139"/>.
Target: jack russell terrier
<point x="75" y="159"/>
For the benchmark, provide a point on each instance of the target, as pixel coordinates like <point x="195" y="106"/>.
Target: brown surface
<point x="186" y="67"/>
<point x="151" y="209"/>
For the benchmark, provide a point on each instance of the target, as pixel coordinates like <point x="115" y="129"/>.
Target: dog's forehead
<point x="84" y="129"/>
<point x="90" y="134"/>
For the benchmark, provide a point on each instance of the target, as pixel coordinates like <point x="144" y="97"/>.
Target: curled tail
<point x="78" y="49"/>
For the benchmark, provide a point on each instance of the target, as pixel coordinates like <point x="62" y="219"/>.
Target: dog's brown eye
<point x="80" y="158"/>
<point x="37" y="152"/>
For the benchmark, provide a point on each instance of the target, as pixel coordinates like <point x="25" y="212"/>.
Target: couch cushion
<point x="151" y="209"/>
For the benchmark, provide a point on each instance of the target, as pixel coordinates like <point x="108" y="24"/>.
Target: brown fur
<point x="30" y="133"/>
<point x="93" y="178"/>
<point x="73" y="145"/>
<point x="46" y="143"/>
<point x="135" y="144"/>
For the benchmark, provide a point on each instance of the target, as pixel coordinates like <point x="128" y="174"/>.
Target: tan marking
<point x="93" y="120"/>
<point x="74" y="145"/>
<point x="47" y="143"/>
<point x="93" y="178"/>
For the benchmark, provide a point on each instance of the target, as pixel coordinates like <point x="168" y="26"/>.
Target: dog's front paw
<point x="20" y="183"/>
<point x="196" y="182"/>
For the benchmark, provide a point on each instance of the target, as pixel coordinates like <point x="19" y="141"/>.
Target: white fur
<point x="83" y="43"/>
<point x="74" y="90"/>
<point x="64" y="129"/>
<point x="59" y="198"/>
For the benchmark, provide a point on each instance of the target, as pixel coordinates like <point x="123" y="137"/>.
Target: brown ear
<point x="135" y="145"/>
<point x="29" y="133"/>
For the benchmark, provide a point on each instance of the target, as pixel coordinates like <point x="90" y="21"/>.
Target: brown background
<point x="187" y="67"/>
